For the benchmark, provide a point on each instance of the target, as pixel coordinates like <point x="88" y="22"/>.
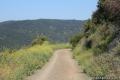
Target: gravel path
<point x="60" y="67"/>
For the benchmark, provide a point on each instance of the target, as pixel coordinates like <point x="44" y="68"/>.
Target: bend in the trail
<point x="60" y="67"/>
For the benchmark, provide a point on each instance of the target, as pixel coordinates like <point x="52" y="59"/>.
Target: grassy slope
<point x="83" y="58"/>
<point x="17" y="65"/>
<point x="104" y="65"/>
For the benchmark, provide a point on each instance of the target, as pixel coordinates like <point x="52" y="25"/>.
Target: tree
<point x="112" y="7"/>
<point x="40" y="39"/>
<point x="108" y="11"/>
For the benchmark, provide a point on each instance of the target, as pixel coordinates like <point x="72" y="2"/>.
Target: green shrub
<point x="89" y="27"/>
<point x="75" y="40"/>
<point x="39" y="40"/>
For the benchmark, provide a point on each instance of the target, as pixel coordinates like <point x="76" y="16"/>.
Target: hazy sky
<point x="52" y="9"/>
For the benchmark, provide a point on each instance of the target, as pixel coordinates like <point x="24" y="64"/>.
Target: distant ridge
<point x="18" y="33"/>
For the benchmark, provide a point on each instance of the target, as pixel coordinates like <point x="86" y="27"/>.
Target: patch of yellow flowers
<point x="19" y="64"/>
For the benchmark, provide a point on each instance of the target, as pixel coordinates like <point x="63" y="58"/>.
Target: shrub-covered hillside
<point x="17" y="65"/>
<point x="97" y="48"/>
<point x="18" y="33"/>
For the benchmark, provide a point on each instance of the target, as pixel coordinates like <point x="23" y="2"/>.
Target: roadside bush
<point x="102" y="38"/>
<point x="39" y="40"/>
<point x="75" y="40"/>
<point x="89" y="27"/>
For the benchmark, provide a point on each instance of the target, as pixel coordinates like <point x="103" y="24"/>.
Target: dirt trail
<point x="60" y="67"/>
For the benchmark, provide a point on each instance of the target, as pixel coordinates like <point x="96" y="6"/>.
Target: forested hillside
<point x="97" y="48"/>
<point x="14" y="34"/>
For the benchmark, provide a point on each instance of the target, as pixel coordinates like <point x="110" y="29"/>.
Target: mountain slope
<point x="19" y="33"/>
<point x="97" y="48"/>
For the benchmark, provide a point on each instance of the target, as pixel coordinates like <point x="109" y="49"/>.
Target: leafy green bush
<point x="89" y="27"/>
<point x="75" y="40"/>
<point x="100" y="39"/>
<point x="39" y="40"/>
